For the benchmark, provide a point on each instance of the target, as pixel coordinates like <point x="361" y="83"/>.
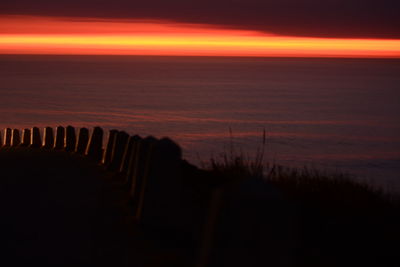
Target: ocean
<point x="331" y="114"/>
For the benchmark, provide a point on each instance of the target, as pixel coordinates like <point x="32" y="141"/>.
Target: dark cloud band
<point x="322" y="18"/>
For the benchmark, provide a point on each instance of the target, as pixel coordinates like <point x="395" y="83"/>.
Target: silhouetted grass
<point x="341" y="222"/>
<point x="235" y="164"/>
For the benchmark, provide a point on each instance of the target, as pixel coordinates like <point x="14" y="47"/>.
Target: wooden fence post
<point x="129" y="149"/>
<point x="48" y="138"/>
<point x="7" y="137"/>
<point x="60" y="135"/>
<point x="161" y="203"/>
<point x="15" y="137"/>
<point x="120" y="143"/>
<point x="95" y="146"/>
<point x="132" y="159"/>
<point x="70" y="139"/>
<point x="142" y="163"/>
<point x="209" y="228"/>
<point x="109" y="148"/>
<point x="26" y="137"/>
<point x="83" y="140"/>
<point x="36" y="141"/>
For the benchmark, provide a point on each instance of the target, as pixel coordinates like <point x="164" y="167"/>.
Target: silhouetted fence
<point x="167" y="193"/>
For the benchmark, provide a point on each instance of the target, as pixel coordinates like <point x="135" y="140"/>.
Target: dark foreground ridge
<point x="69" y="200"/>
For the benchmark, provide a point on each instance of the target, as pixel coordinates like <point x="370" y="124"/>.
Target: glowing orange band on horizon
<point x="41" y="35"/>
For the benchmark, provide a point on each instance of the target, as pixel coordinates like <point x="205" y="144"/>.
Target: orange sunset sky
<point x="27" y="34"/>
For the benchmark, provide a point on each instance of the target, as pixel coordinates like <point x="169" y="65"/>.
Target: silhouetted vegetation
<point x="136" y="202"/>
<point x="340" y="222"/>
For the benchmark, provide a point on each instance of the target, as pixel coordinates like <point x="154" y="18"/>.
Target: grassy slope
<point x="340" y="222"/>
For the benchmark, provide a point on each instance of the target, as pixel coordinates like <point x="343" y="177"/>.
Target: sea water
<point x="331" y="114"/>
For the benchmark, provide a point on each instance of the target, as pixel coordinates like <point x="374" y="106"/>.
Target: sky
<point x="332" y="28"/>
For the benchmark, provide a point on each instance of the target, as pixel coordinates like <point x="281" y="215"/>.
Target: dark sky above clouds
<point x="322" y="18"/>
